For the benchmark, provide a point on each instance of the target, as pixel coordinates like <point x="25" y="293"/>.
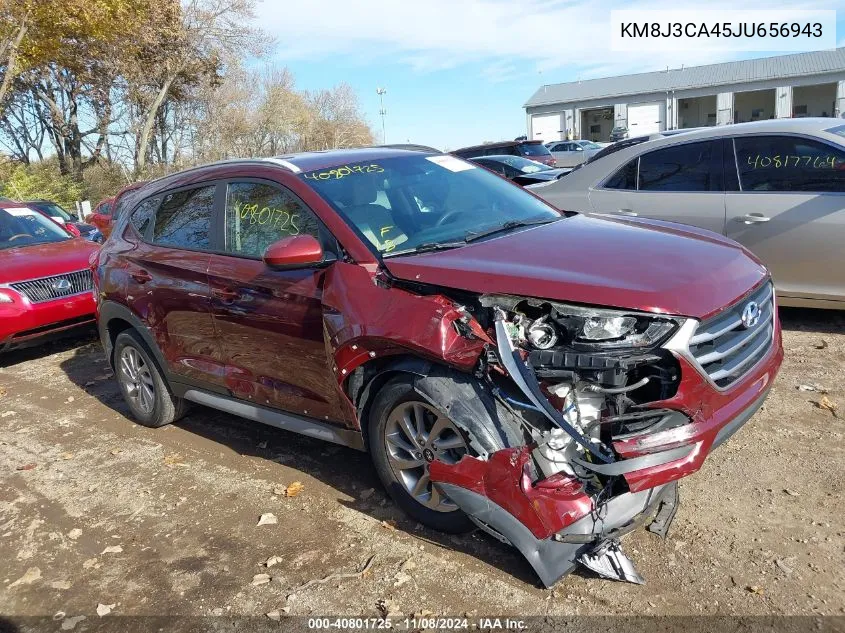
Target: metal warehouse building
<point x="804" y="84"/>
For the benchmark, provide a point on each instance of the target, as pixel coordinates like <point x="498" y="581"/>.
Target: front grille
<point x="725" y="348"/>
<point x="49" y="288"/>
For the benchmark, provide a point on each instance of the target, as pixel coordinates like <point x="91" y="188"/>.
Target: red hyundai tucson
<point x="543" y="375"/>
<point x="45" y="279"/>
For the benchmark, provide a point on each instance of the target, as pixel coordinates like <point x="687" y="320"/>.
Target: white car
<point x="571" y="153"/>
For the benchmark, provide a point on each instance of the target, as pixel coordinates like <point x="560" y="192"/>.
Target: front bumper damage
<point x="540" y="519"/>
<point x="610" y="486"/>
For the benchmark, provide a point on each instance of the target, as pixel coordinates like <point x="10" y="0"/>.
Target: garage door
<point x="546" y="128"/>
<point x="644" y="118"/>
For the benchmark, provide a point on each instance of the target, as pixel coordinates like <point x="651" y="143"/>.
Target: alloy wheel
<point x="414" y="436"/>
<point x="137" y="380"/>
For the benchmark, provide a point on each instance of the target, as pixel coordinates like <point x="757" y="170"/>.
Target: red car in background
<point x="101" y="216"/>
<point x="45" y="282"/>
<point x="105" y="213"/>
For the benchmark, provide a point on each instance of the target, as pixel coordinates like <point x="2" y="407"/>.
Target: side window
<point x="687" y="167"/>
<point x="624" y="178"/>
<point x="259" y="214"/>
<point x="785" y="163"/>
<point x="144" y="215"/>
<point x="184" y="218"/>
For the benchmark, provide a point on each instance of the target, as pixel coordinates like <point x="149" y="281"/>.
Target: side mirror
<point x="294" y="251"/>
<point x="578" y="148"/>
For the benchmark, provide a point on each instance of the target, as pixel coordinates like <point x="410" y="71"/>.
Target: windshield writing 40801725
<point x="341" y="172"/>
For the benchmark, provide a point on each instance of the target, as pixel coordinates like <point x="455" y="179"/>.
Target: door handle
<point x="754" y="218"/>
<point x="225" y="294"/>
<point x="627" y="212"/>
<point x="141" y="276"/>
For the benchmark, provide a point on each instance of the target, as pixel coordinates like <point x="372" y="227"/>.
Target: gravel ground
<point x="96" y="511"/>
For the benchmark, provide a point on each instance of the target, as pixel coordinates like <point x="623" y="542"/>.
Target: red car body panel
<point x="23" y="321"/>
<point x="598" y="261"/>
<point x="99" y="218"/>
<point x="405" y="323"/>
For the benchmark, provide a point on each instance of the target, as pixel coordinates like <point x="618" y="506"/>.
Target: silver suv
<point x="775" y="186"/>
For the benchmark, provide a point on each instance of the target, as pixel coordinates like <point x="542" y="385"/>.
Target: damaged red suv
<point x="543" y="375"/>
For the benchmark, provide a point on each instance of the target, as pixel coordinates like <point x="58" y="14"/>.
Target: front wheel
<point x="411" y="426"/>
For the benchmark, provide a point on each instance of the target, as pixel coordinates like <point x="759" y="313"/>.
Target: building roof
<point x="782" y="66"/>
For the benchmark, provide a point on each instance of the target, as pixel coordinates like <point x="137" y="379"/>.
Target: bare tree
<point x="207" y="31"/>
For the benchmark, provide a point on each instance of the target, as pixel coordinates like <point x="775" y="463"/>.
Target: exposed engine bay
<point x="586" y="378"/>
<point x="580" y="381"/>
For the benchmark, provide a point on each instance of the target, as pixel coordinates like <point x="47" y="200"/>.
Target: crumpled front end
<point x="619" y="405"/>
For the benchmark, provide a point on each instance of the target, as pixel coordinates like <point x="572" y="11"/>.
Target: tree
<point x="68" y="61"/>
<point x="201" y="34"/>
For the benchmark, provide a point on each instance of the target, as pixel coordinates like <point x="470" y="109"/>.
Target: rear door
<point x="270" y="322"/>
<point x="789" y="210"/>
<point x="680" y="183"/>
<point x="167" y="280"/>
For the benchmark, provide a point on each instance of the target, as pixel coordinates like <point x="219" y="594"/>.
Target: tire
<point x="144" y="390"/>
<point x="482" y="427"/>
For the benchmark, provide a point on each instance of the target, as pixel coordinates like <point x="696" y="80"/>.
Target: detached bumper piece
<point x="554" y="523"/>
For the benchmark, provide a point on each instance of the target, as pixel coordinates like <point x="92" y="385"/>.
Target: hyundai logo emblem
<point x="750" y="314"/>
<point x="61" y="285"/>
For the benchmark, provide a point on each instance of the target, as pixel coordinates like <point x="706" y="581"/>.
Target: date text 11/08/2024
<point x="417" y="623"/>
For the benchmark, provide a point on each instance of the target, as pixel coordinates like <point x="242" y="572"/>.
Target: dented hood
<point x="633" y="263"/>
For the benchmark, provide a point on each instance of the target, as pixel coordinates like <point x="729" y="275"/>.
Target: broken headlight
<point x="597" y="328"/>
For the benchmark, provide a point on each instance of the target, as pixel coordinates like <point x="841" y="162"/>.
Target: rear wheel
<point x="410" y="426"/>
<point x="142" y="385"/>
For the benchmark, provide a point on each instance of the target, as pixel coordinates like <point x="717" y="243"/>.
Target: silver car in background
<point x="776" y="186"/>
<point x="571" y="153"/>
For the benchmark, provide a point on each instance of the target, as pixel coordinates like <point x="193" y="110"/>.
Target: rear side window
<point x="786" y="163"/>
<point x="624" y="178"/>
<point x="688" y="167"/>
<point x="144" y="215"/>
<point x="259" y="214"/>
<point x="534" y="149"/>
<point x="184" y="219"/>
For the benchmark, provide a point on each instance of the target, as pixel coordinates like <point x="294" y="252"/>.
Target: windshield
<point x="54" y="211"/>
<point x="402" y="204"/>
<point x="21" y="226"/>
<point x="534" y="149"/>
<point x="589" y="145"/>
<point x="525" y="165"/>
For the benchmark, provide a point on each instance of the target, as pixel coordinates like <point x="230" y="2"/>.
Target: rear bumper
<point x="23" y="323"/>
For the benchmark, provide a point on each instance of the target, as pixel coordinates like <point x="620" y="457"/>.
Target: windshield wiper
<point x="426" y="247"/>
<point x="507" y="226"/>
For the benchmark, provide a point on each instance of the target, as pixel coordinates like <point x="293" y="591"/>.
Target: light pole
<point x="381" y="92"/>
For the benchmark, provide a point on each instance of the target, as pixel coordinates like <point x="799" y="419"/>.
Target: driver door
<point x="270" y="322"/>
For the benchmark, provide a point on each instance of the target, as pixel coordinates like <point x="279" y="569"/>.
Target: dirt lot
<point x="95" y="510"/>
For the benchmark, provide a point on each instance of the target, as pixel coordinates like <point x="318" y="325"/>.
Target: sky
<point x="458" y="72"/>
